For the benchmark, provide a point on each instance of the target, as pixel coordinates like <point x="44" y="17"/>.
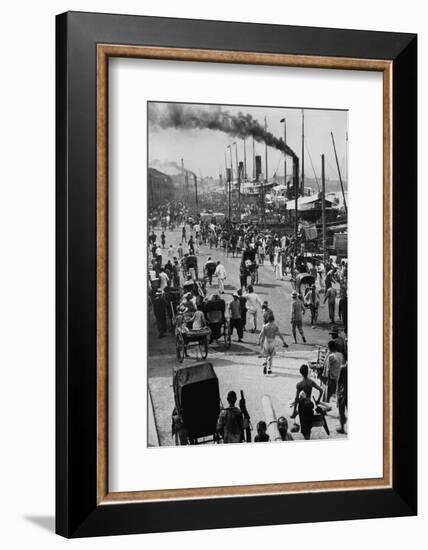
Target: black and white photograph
<point x="248" y="274"/>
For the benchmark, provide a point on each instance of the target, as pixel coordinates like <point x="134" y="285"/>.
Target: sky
<point x="203" y="150"/>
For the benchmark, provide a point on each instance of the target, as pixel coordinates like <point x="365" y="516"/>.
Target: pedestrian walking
<point x="277" y="265"/>
<point x="253" y="303"/>
<point x="209" y="268"/>
<point x="266" y="311"/>
<point x="230" y="422"/>
<point x="312" y="300"/>
<point x="163" y="279"/>
<point x="170" y="252"/>
<point x="191" y="245"/>
<point x="330" y="296"/>
<point x="306" y="384"/>
<point x="330" y="278"/>
<point x="332" y="365"/>
<point x="235" y="321"/>
<point x="266" y="340"/>
<point x="158" y="254"/>
<point x="220" y="273"/>
<point x="180" y="251"/>
<point x="243" y="302"/>
<point x="243" y="276"/>
<point x="297" y="311"/>
<point x="340" y="342"/>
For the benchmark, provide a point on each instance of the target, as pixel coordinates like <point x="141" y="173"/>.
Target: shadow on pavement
<point x="276" y="374"/>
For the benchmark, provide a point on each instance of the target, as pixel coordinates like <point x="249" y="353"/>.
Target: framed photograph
<point x="236" y="226"/>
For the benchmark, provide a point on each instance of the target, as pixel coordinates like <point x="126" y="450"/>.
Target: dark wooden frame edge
<point x="77" y="512"/>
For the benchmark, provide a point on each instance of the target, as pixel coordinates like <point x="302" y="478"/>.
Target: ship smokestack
<point x="258" y="167"/>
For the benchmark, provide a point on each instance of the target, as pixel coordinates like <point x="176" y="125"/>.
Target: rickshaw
<point x="303" y="281"/>
<point x="186" y="338"/>
<point x="218" y="324"/>
<point x="197" y="405"/>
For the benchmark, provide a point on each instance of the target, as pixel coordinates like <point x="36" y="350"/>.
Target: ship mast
<point x="324" y="246"/>
<point x="340" y="176"/>
<point x="302" y="189"/>
<point x="245" y="161"/>
<point x="263" y="187"/>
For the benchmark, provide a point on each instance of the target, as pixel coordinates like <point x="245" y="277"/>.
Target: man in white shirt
<point x="171" y="252"/>
<point x="220" y="273"/>
<point x="253" y="303"/>
<point x="163" y="279"/>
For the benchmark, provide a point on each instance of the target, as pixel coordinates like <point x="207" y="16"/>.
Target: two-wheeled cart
<point x="197" y="405"/>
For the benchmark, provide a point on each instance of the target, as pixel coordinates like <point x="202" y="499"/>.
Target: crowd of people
<point x="179" y="286"/>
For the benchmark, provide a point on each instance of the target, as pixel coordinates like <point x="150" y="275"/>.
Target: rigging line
<point x="279" y="160"/>
<point x="312" y="164"/>
<point x="333" y="171"/>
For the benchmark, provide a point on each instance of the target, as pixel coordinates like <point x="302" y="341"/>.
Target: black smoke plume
<point x="242" y="125"/>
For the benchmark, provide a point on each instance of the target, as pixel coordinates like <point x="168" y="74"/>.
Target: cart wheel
<point x="203" y="348"/>
<point x="227" y="338"/>
<point x="180" y="346"/>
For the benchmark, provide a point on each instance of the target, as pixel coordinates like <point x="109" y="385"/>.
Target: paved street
<point x="240" y="367"/>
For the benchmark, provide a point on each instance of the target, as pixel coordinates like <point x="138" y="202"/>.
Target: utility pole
<point x="230" y="182"/>
<point x="263" y="187"/>
<point x="245" y="160"/>
<point x="302" y="191"/>
<point x="186" y="173"/>
<point x="284" y="121"/>
<point x="266" y="152"/>
<point x="324" y="247"/>
<point x="238" y="171"/>
<point x="196" y="189"/>
<point x="296" y="195"/>
<point x="340" y="176"/>
<point x="254" y="162"/>
<point x="182" y="177"/>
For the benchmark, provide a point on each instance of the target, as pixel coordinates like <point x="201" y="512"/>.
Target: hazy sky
<point x="203" y="150"/>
